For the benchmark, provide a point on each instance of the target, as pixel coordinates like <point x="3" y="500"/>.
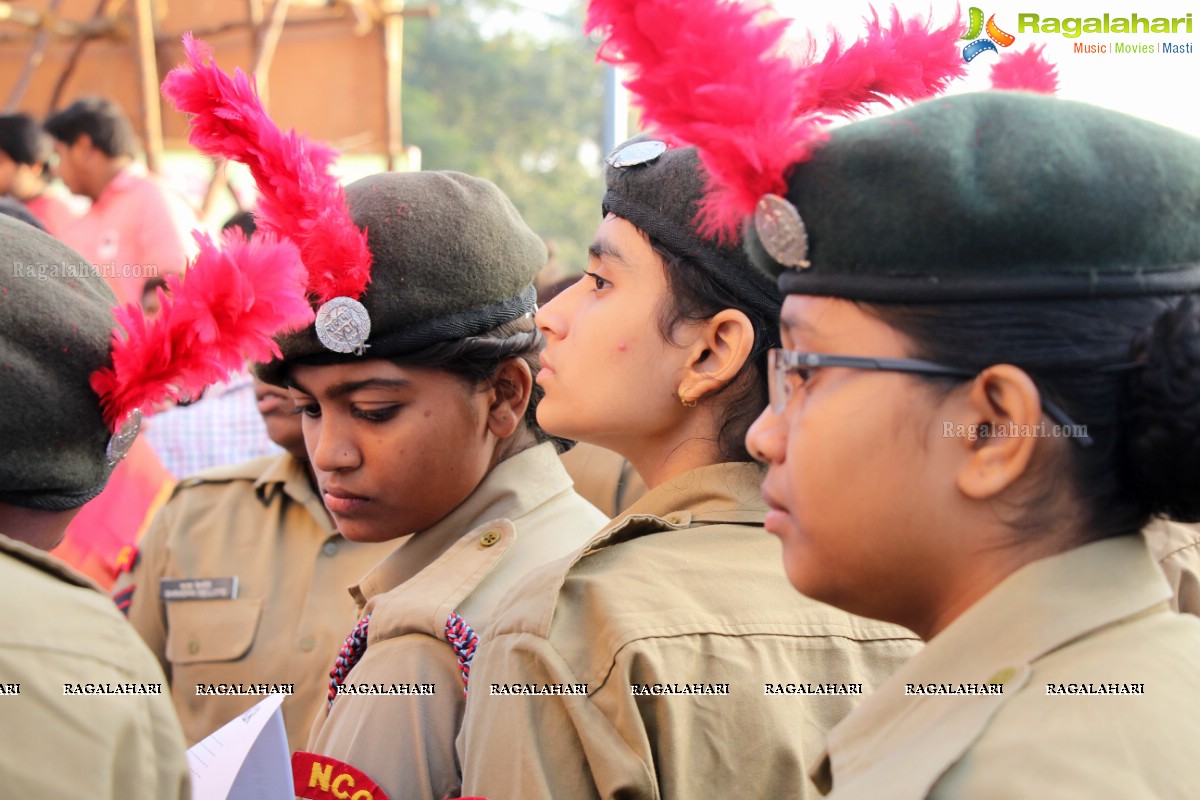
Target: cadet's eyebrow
<point x="602" y="247"/>
<point x="295" y="384"/>
<point x="339" y="390"/>
<point x="793" y="325"/>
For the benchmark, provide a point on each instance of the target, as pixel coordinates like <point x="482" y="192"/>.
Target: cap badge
<point x="343" y="325"/>
<point x="120" y="442"/>
<point x="781" y="231"/>
<point x="637" y="153"/>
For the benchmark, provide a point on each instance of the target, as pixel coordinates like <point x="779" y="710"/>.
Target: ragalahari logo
<point x="975" y="27"/>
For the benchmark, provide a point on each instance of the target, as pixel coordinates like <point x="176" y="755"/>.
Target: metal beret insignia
<point x="120" y="442"/>
<point x="781" y="231"/>
<point x="637" y="153"/>
<point x="343" y="325"/>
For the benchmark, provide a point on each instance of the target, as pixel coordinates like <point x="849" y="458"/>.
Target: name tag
<point x="198" y="588"/>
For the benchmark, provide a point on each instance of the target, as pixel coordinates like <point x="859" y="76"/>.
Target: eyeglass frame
<point x="782" y="362"/>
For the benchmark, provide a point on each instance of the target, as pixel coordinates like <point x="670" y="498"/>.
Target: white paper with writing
<point x="247" y="759"/>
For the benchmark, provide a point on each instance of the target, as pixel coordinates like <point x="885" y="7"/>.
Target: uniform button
<point x="1003" y="676"/>
<point x="193" y="647"/>
<point x="330" y="549"/>
<point x="307" y="643"/>
<point x="489" y="538"/>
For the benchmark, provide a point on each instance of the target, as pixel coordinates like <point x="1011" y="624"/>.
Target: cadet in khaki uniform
<point x="428" y="442"/>
<point x="83" y="702"/>
<point x="415" y="385"/>
<point x="668" y="658"/>
<point x="260" y="527"/>
<point x="1032" y="264"/>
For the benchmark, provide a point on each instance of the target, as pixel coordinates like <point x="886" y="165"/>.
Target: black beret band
<point x="398" y="343"/>
<point x="53" y="500"/>
<point x="920" y="289"/>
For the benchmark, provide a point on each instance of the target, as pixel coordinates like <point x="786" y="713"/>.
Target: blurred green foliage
<point x="519" y="105"/>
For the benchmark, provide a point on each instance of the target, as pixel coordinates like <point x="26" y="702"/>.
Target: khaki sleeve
<point x="405" y="743"/>
<point x="146" y="612"/>
<point x="732" y="739"/>
<point x="123" y="747"/>
<point x="550" y="746"/>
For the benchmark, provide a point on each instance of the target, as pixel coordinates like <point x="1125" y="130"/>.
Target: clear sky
<point x="1158" y="86"/>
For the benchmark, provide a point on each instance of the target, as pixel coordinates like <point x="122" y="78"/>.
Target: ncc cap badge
<point x="343" y="325"/>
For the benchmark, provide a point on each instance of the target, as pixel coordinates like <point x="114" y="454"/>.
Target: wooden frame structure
<point x="135" y="22"/>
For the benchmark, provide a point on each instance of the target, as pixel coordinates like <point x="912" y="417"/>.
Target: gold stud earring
<point x="686" y="403"/>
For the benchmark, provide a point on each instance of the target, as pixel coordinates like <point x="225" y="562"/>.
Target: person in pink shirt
<point x="137" y="227"/>
<point x="25" y="151"/>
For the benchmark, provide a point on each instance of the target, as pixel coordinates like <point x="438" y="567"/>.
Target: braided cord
<point x="352" y="650"/>
<point x="464" y="640"/>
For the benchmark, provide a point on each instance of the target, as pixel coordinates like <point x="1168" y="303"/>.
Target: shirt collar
<point x="513" y="488"/>
<point x="716" y="487"/>
<point x="1035" y="610"/>
<point x="727" y="492"/>
<point x="289" y="475"/>
<point x="122" y="181"/>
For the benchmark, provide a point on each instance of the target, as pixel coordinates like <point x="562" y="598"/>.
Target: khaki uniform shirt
<point x="1176" y="548"/>
<point x="603" y="478"/>
<point x="521" y="516"/>
<point x="1048" y="639"/>
<point x="83" y="704"/>
<point x="686" y="592"/>
<point x="262" y="523"/>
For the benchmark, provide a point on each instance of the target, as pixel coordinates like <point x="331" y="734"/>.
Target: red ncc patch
<point x="319" y="777"/>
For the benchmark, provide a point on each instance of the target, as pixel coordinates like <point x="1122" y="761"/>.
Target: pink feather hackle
<point x="299" y="199"/>
<point x="704" y="72"/>
<point x="712" y="74"/>
<point x="223" y="311"/>
<point x="907" y="60"/>
<point x="1025" y="70"/>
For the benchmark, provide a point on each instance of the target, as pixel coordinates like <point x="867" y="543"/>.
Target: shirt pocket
<point x="200" y="631"/>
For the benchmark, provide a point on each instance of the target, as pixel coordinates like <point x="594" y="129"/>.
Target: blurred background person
<point x="137" y="226"/>
<point x="25" y="174"/>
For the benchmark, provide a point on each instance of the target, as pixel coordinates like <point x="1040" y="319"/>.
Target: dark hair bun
<point x="1164" y="413"/>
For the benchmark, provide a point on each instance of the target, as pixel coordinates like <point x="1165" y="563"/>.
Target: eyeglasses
<point x="783" y="363"/>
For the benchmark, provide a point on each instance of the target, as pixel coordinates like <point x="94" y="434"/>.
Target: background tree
<point x="520" y="106"/>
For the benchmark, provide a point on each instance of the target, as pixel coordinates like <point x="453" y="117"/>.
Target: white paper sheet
<point x="247" y="759"/>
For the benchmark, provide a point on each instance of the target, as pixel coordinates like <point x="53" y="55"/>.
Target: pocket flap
<point x="211" y="630"/>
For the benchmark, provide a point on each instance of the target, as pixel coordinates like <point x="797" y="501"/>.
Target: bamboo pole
<point x="33" y="62"/>
<point x="393" y="55"/>
<point x="99" y="16"/>
<point x="147" y="61"/>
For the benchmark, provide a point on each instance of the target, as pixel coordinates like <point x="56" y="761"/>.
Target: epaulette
<point x="245" y="471"/>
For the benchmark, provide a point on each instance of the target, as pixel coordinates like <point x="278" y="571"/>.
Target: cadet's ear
<point x="1005" y="405"/>
<point x="512" y="386"/>
<point x="716" y="355"/>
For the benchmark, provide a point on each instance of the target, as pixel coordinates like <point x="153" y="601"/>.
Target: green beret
<point x="658" y="189"/>
<point x="452" y="258"/>
<point x="995" y="196"/>
<point x="56" y="328"/>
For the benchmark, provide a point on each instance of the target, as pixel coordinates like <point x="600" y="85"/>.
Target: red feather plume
<point x="223" y="311"/>
<point x="705" y="72"/>
<point x="1025" y="70"/>
<point x="712" y="74"/>
<point x="299" y="200"/>
<point x="906" y="61"/>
